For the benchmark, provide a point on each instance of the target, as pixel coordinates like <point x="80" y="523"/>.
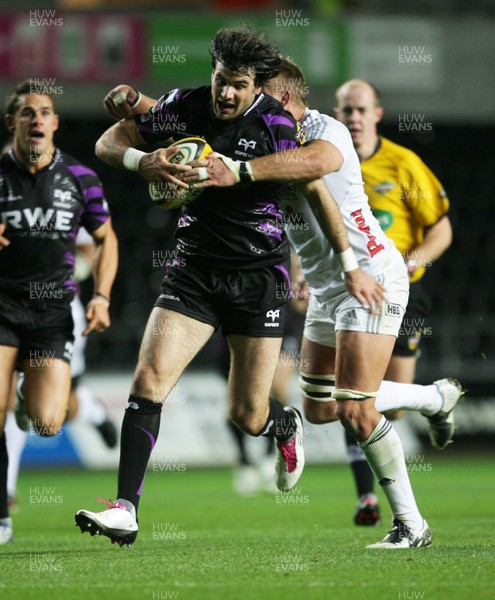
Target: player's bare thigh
<point x="317" y="359"/>
<point x="8" y="358"/>
<point x="171" y="340"/>
<point x="253" y="361"/>
<point x="46" y="394"/>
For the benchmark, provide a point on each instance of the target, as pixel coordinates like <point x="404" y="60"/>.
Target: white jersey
<point x="373" y="249"/>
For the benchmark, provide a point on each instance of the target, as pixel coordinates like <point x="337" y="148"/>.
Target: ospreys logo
<point x="274" y="315"/>
<point x="63" y="196"/>
<point x="69" y="347"/>
<point x="247" y="145"/>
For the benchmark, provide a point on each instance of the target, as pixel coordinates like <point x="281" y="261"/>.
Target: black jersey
<point x="43" y="213"/>
<point x="241" y="226"/>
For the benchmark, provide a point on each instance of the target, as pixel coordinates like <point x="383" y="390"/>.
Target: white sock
<point x="91" y="410"/>
<point x="16" y="440"/>
<point x="383" y="450"/>
<point x="408" y="396"/>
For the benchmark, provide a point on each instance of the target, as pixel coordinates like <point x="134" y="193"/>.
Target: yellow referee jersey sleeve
<point x="404" y="195"/>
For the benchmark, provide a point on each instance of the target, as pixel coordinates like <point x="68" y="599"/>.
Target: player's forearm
<point x="112" y="145"/>
<point x="310" y="162"/>
<point x="105" y="263"/>
<point x="436" y="241"/>
<point x="328" y="214"/>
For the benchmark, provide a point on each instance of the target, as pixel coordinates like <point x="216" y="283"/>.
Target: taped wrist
<point x="347" y="260"/>
<point x="234" y="166"/>
<point x="132" y="158"/>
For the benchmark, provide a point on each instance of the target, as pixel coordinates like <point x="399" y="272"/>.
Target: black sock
<point x="4" y="464"/>
<point x="240" y="440"/>
<point x="363" y="475"/>
<point x="140" y="429"/>
<point x="281" y="424"/>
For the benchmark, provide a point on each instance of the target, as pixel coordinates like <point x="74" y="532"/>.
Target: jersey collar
<point x="255" y="104"/>
<point x="56" y="159"/>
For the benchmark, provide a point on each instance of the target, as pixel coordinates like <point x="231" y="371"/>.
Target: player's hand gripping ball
<point x="170" y="195"/>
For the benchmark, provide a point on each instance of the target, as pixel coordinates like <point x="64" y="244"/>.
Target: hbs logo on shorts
<point x="393" y="310"/>
<point x="274" y="315"/>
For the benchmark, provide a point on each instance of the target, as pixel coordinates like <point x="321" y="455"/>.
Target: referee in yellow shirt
<point x="411" y="206"/>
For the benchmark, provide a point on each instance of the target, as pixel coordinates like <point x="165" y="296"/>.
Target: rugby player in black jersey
<point x="234" y="256"/>
<point x="45" y="196"/>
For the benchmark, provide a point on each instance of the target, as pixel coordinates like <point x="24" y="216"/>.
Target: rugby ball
<point x="169" y="195"/>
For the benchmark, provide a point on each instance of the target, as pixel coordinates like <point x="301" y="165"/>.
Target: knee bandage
<point x="317" y="387"/>
<point x="343" y="394"/>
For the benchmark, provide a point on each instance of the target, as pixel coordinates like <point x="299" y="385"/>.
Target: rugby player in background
<point x="45" y="196"/>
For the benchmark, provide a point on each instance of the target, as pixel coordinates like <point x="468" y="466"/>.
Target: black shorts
<point x="413" y="327"/>
<point x="40" y="331"/>
<point x="251" y="302"/>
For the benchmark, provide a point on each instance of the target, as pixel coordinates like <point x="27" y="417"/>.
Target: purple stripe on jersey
<point x="71" y="285"/>
<point x="277" y="120"/>
<point x="93" y="192"/>
<point x="100" y="218"/>
<point x="97" y="212"/>
<point x="281" y="145"/>
<point x="79" y="170"/>
<point x="153" y="442"/>
<point x="270" y="209"/>
<point x="70" y="259"/>
<point x="271" y="230"/>
<point x="286" y="275"/>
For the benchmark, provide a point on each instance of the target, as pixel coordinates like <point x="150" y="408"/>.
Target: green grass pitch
<point x="199" y="541"/>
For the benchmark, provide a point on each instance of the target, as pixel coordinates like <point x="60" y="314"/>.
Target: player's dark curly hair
<point x="21" y="89"/>
<point x="244" y="49"/>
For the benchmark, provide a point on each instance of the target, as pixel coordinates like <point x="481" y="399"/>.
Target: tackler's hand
<point x="216" y="169"/>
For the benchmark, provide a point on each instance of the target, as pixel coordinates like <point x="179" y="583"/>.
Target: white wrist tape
<point x="234" y="166"/>
<point x="132" y="158"/>
<point x="119" y="98"/>
<point x="347" y="260"/>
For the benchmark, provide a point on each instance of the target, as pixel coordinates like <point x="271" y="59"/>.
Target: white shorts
<point x="326" y="315"/>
